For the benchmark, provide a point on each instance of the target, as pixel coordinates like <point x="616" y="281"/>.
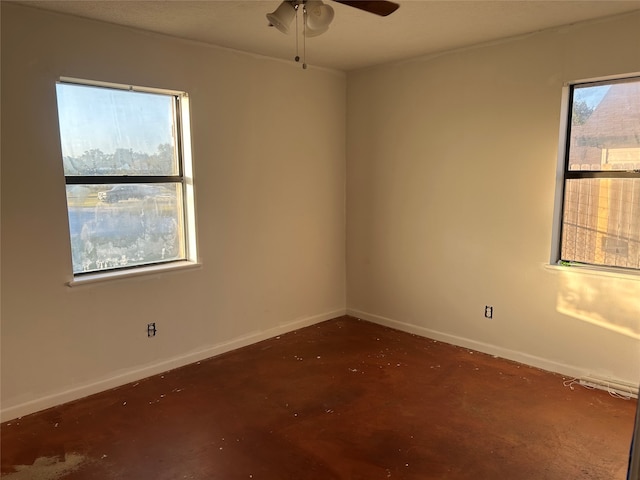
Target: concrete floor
<point x="345" y="399"/>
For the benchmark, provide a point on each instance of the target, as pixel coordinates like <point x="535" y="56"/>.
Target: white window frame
<point x="184" y="153"/>
<point x="561" y="177"/>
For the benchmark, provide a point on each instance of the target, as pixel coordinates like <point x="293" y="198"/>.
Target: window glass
<point x="601" y="223"/>
<point x="601" y="206"/>
<point x="123" y="167"/>
<point x="104" y="131"/>
<point x="124" y="225"/>
<point x="605" y="127"/>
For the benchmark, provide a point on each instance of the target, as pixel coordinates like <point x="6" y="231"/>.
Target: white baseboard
<point x="138" y="373"/>
<point x="526" y="359"/>
<point x="615" y="388"/>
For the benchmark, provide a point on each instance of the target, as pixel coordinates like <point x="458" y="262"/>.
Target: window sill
<point x="596" y="271"/>
<point x="99" y="277"/>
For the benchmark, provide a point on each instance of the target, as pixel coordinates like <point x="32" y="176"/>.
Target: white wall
<point x="270" y="199"/>
<point x="451" y="166"/>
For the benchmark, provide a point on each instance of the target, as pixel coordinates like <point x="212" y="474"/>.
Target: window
<point x="126" y="157"/>
<point x="600" y="190"/>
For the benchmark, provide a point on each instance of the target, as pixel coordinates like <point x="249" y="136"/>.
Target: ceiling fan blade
<point x="379" y="7"/>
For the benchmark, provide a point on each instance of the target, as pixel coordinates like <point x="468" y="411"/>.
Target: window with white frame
<point x="127" y="166"/>
<point x="599" y="220"/>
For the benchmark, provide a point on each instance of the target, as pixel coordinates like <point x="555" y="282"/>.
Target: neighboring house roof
<point x="615" y="123"/>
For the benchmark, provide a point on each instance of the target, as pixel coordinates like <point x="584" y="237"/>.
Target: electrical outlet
<point x="488" y="311"/>
<point x="151" y="329"/>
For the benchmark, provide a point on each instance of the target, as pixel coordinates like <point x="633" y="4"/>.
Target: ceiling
<point x="355" y="38"/>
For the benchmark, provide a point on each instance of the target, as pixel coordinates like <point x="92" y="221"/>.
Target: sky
<point x="592" y="95"/>
<point x="106" y="119"/>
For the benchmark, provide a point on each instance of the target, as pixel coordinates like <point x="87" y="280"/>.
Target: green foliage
<point x="580" y="113"/>
<point x="122" y="162"/>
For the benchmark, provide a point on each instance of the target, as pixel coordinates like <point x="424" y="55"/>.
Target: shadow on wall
<point x="611" y="303"/>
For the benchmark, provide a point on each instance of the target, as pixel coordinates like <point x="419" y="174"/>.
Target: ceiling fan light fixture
<point x="310" y="32"/>
<point x="282" y="17"/>
<point x="319" y="16"/>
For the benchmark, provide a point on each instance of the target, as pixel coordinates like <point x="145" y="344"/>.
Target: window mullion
<point x="113" y="179"/>
<point x="577" y="174"/>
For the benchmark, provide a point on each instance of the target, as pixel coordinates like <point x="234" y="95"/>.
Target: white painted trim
<point x="120" y="86"/>
<point x="559" y="188"/>
<point x="99" y="277"/>
<point x="524" y="358"/>
<point x="138" y="373"/>
<point x="625" y="390"/>
<point x="595" y="270"/>
<point x="604" y="78"/>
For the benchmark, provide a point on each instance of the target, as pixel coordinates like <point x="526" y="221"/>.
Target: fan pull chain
<point x="297" y="57"/>
<point x="304" y="37"/>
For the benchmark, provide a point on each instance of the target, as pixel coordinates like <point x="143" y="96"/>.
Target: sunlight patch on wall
<point x="611" y="303"/>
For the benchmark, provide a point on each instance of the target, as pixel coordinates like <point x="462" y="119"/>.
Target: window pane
<point x="122" y="225"/>
<point x="605" y="127"/>
<point x="105" y="131"/>
<point x="601" y="222"/>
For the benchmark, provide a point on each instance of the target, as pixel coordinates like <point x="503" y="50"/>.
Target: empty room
<point x="320" y="240"/>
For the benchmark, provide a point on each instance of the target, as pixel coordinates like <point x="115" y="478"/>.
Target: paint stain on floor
<point x="47" y="468"/>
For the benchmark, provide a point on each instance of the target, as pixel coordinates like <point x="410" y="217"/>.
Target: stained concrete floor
<point x="345" y="399"/>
